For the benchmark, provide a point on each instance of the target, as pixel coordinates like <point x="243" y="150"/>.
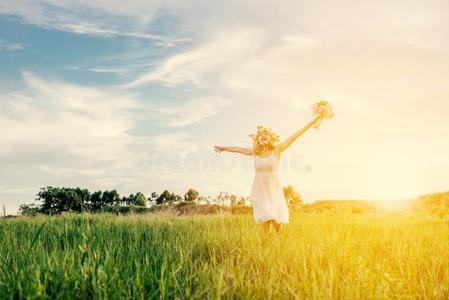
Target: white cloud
<point x="83" y="121"/>
<point x="10" y="47"/>
<point x="196" y="66"/>
<point x="297" y="52"/>
<point x="100" y="69"/>
<point x="93" y="29"/>
<point x="169" y="143"/>
<point x="98" y="18"/>
<point x="186" y="112"/>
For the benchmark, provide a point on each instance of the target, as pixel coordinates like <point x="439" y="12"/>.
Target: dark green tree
<point x="110" y="198"/>
<point x="137" y="200"/>
<point x="29" y="209"/>
<point x="95" y="201"/>
<point x="140" y="200"/>
<point x="163" y="198"/>
<point x="100" y="200"/>
<point x="57" y="200"/>
<point x="167" y="197"/>
<point x="191" y="195"/>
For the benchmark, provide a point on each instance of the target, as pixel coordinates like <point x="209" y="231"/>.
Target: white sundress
<point x="267" y="194"/>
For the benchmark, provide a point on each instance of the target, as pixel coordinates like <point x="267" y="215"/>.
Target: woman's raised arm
<point x="286" y="143"/>
<point x="241" y="150"/>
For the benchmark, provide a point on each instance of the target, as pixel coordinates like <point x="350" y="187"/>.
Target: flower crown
<point x="260" y="129"/>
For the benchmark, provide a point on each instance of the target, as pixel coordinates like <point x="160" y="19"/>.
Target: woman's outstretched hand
<point x="319" y="116"/>
<point x="241" y="150"/>
<point x="219" y="149"/>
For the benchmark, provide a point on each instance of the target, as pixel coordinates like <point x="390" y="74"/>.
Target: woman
<point x="267" y="194"/>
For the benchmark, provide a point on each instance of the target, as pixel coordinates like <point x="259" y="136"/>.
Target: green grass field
<point x="317" y="256"/>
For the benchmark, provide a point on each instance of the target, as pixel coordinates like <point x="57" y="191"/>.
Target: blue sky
<point x="91" y="91"/>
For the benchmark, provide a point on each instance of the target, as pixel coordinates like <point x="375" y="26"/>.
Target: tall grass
<point x="317" y="256"/>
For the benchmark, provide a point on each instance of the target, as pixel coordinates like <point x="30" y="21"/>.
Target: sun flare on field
<point x="392" y="180"/>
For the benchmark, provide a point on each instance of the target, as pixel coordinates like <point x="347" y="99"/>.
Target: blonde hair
<point x="260" y="148"/>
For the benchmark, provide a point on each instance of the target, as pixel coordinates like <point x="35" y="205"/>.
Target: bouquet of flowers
<point x="324" y="109"/>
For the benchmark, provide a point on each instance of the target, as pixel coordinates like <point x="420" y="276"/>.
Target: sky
<point x="133" y="95"/>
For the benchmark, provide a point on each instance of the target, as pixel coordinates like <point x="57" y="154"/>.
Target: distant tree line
<point x="56" y="200"/>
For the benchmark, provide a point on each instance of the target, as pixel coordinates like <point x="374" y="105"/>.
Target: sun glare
<point x="389" y="181"/>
